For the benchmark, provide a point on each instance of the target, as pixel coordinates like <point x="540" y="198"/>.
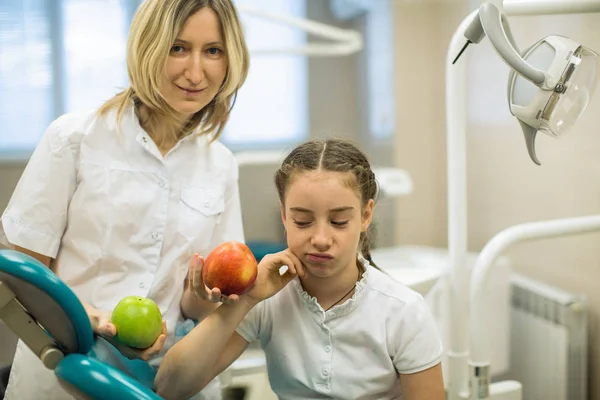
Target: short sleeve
<point x="250" y="327"/>
<point x="36" y="215"/>
<point x="415" y="343"/>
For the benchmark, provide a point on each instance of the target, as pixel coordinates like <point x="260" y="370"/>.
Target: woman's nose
<point x="195" y="70"/>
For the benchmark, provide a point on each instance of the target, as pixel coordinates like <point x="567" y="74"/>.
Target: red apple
<point x="231" y="267"/>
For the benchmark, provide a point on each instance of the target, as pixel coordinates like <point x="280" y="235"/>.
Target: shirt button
<point x="325" y="371"/>
<point x="144" y="139"/>
<point x="162" y="184"/>
<point x="327" y="349"/>
<point x="142" y="285"/>
<point x="332" y="314"/>
<point x="155" y="235"/>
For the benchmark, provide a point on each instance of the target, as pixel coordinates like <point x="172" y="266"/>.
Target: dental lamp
<point x="550" y="83"/>
<point x="549" y="86"/>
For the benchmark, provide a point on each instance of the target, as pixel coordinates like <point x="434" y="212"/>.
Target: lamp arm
<point x="494" y="27"/>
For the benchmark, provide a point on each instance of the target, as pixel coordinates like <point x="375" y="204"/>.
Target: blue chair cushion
<point x="88" y="378"/>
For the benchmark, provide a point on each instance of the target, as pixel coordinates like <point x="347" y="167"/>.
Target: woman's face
<point x="196" y="65"/>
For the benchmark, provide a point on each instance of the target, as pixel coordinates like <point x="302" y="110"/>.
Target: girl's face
<point x="196" y="65"/>
<point x="324" y="217"/>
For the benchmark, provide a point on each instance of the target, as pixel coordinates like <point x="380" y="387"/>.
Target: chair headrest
<point x="48" y="300"/>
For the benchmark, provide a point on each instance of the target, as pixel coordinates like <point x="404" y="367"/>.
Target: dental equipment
<point x="343" y="41"/>
<point x="526" y="102"/>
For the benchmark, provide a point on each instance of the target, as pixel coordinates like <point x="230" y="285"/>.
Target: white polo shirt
<point x="353" y="351"/>
<point x="119" y="218"/>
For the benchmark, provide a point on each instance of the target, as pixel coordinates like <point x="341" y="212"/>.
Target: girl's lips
<point x="318" y="258"/>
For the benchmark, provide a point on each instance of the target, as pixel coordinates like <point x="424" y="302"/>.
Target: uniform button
<point x="142" y="285"/>
<point x="144" y="139"/>
<point x="325" y="371"/>
<point x="327" y="349"/>
<point x="155" y="235"/>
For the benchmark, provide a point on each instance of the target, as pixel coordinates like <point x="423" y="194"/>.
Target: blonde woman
<point x="117" y="201"/>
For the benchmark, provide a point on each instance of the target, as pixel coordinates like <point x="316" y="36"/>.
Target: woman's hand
<point x="101" y="322"/>
<point x="200" y="290"/>
<point x="102" y="326"/>
<point x="142" y="354"/>
<point x="269" y="280"/>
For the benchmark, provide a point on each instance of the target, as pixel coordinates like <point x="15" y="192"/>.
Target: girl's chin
<point x="319" y="271"/>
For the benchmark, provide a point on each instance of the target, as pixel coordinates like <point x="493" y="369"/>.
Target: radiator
<point x="548" y="341"/>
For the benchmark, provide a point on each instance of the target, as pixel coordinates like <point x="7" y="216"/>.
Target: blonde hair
<point x="153" y="31"/>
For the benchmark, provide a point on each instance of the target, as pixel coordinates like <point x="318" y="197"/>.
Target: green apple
<point x="138" y="321"/>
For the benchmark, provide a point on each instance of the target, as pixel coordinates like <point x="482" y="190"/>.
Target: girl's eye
<point x="339" y="223"/>
<point x="301" y="224"/>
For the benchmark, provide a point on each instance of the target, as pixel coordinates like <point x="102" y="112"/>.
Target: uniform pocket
<point x="200" y="208"/>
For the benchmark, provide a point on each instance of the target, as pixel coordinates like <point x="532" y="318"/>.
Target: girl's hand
<point x="102" y="326"/>
<point x="200" y="290"/>
<point x="269" y="280"/>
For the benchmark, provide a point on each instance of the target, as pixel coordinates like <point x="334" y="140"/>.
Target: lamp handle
<point x="492" y="23"/>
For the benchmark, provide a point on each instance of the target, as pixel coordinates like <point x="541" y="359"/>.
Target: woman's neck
<point x="164" y="133"/>
<point x="334" y="289"/>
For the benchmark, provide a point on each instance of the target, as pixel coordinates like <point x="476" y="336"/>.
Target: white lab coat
<point x="118" y="218"/>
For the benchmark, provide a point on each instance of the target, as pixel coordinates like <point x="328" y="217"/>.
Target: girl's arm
<point x="423" y="385"/>
<point x="198" y="301"/>
<point x="213" y="344"/>
<point x="203" y="353"/>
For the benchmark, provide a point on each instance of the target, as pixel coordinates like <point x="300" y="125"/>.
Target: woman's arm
<point x="98" y="322"/>
<point x="101" y="320"/>
<point x="423" y="385"/>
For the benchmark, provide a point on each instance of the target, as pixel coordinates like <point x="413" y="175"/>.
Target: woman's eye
<point x="177" y="49"/>
<point x="214" y="51"/>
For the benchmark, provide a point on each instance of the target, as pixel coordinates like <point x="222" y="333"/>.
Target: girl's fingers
<point x="197" y="275"/>
<point x="233" y="298"/>
<point x="294" y="265"/>
<point x="214" y="295"/>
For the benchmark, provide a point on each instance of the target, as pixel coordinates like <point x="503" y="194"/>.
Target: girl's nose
<point x="321" y="239"/>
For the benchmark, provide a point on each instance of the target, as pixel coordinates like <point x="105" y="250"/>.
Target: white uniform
<point x="119" y="219"/>
<point x="353" y="351"/>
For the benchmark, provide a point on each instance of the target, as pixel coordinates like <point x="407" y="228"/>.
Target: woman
<point x="117" y="200"/>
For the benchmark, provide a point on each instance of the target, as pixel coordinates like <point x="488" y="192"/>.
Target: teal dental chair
<point x="49" y="318"/>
